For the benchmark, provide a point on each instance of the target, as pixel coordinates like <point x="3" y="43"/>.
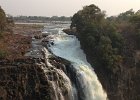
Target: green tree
<point x="2" y="20"/>
<point x="89" y="15"/>
<point x="126" y="15"/>
<point x="98" y="36"/>
<point x="135" y="20"/>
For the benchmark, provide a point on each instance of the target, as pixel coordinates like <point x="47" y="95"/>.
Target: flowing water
<point x="68" y="47"/>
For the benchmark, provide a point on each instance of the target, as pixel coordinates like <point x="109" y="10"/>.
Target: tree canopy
<point x="98" y="36"/>
<point x="2" y="20"/>
<point x="108" y="41"/>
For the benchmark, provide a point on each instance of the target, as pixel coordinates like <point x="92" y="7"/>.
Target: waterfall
<point x="87" y="83"/>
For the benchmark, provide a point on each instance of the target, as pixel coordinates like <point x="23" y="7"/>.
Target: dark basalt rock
<point x="121" y="85"/>
<point x="25" y="79"/>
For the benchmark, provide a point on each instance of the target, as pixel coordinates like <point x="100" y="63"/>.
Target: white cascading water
<point x="68" y="47"/>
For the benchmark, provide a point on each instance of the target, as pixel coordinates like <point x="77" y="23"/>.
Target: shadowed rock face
<point x="122" y="85"/>
<point x="33" y="79"/>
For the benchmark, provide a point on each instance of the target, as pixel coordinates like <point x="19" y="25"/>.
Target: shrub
<point x="2" y="20"/>
<point x="2" y="54"/>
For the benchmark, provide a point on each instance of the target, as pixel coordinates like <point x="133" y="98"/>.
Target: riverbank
<point x="16" y="43"/>
<point x="37" y="76"/>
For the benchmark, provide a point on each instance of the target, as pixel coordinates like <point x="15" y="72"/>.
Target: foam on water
<point x="68" y="47"/>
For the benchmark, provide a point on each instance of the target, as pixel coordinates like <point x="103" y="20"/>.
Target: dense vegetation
<point x="2" y="20"/>
<point x="112" y="46"/>
<point x="98" y="36"/>
<point x="6" y="24"/>
<point x="2" y="27"/>
<point x="104" y="38"/>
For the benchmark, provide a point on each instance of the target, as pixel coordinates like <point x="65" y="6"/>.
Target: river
<point x="87" y="85"/>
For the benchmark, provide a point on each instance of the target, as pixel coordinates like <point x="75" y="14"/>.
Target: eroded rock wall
<point x="26" y="79"/>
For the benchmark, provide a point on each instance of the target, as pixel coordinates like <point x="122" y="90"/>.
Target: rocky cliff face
<point x="123" y="84"/>
<point x="34" y="79"/>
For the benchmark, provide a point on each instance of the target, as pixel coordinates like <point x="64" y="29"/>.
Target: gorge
<point x="91" y="57"/>
<point x="86" y="82"/>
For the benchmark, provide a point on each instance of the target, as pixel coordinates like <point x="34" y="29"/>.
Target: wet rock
<point x="33" y="79"/>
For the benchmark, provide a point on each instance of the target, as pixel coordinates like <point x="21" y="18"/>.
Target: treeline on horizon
<point x="40" y="18"/>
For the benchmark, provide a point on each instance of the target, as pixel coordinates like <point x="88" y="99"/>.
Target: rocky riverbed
<point x="35" y="75"/>
<point x="34" y="79"/>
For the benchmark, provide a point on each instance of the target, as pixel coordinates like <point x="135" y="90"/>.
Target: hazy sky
<point x="64" y="7"/>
